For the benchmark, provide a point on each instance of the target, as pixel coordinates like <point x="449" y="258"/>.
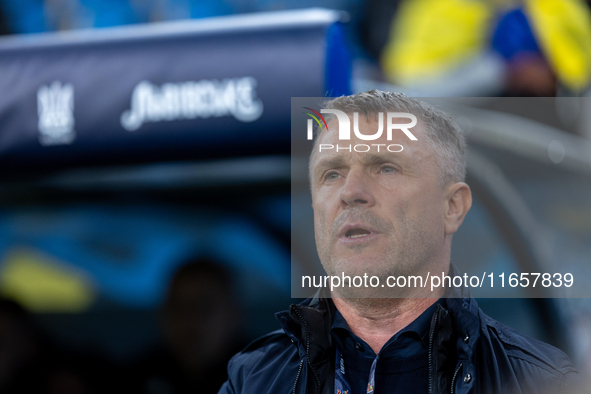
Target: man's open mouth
<point x="357" y="233"/>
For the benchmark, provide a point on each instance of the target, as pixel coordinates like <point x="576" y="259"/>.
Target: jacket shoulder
<point x="536" y="366"/>
<point x="274" y="338"/>
<point x="264" y="349"/>
<point x="527" y="349"/>
<point x="262" y="362"/>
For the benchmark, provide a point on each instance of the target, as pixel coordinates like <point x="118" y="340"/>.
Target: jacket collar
<point x="308" y="323"/>
<point x="465" y="315"/>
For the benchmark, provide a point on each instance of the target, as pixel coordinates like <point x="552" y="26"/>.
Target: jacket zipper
<point x="453" y="380"/>
<point x="305" y="324"/>
<point x="295" y="385"/>
<point x="431" y="335"/>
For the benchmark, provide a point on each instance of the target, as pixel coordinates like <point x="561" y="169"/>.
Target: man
<point x="390" y="212"/>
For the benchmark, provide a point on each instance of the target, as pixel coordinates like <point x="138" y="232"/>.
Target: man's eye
<point x="387" y="169"/>
<point x="332" y="175"/>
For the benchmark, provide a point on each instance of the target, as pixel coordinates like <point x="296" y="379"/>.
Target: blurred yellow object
<point x="41" y="284"/>
<point x="563" y="30"/>
<point x="430" y="37"/>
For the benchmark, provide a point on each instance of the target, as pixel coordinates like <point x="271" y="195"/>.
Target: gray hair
<point x="442" y="133"/>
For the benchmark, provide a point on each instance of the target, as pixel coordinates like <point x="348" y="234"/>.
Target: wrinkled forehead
<point x="368" y="134"/>
<point x="415" y="157"/>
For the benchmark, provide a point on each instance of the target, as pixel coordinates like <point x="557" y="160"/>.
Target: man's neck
<point x="377" y="320"/>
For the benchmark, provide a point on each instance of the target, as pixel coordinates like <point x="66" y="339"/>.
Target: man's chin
<point x="374" y="283"/>
<point x="369" y="292"/>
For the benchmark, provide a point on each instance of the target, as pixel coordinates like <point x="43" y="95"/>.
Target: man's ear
<point x="457" y="204"/>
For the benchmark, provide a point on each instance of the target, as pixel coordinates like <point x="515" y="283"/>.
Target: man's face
<point x="378" y="213"/>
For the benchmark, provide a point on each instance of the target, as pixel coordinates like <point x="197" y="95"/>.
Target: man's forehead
<point x="369" y="127"/>
<point x="329" y="150"/>
<point x="333" y="158"/>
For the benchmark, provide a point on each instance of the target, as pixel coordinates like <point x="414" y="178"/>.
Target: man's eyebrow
<point x="339" y="161"/>
<point x="373" y="158"/>
<point x="333" y="161"/>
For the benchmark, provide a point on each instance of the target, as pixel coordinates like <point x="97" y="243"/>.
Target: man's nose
<point x="356" y="190"/>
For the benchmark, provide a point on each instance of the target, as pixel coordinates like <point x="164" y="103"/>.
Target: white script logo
<point x="55" y="107"/>
<point x="189" y="100"/>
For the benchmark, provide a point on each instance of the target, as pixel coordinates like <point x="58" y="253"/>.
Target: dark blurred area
<point x="31" y="363"/>
<point x="140" y="260"/>
<point x="199" y="327"/>
<point x="202" y="327"/>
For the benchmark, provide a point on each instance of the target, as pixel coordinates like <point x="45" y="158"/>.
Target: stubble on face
<point x="405" y="215"/>
<point x="409" y="251"/>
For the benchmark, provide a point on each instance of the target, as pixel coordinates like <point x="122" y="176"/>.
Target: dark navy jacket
<point x="469" y="352"/>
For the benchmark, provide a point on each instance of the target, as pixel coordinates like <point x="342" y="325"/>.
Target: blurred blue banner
<point x="215" y="87"/>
